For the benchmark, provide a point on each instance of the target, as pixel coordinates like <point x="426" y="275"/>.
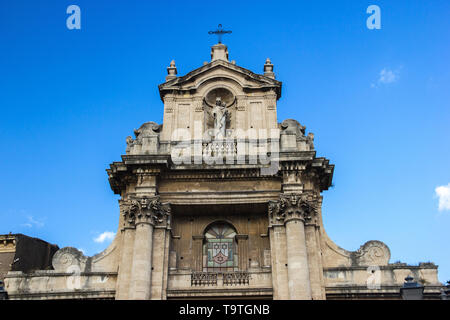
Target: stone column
<point x="141" y="272"/>
<point x="145" y="213"/>
<point x="294" y="209"/>
<point x="298" y="269"/>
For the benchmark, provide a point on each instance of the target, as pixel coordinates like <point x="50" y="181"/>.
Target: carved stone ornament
<point x="291" y="126"/>
<point x="69" y="259"/>
<point x="145" y="210"/>
<point x="293" y="206"/>
<point x="148" y="129"/>
<point x="373" y="253"/>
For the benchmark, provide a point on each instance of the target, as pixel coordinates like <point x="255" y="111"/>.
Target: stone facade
<point x="221" y="200"/>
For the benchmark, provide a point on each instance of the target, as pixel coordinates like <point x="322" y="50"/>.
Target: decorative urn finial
<point x="268" y="69"/>
<point x="171" y="71"/>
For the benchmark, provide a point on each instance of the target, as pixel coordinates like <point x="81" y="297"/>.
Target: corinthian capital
<point x="293" y="206"/>
<point x="145" y="210"/>
<point x="128" y="210"/>
<point x="276" y="215"/>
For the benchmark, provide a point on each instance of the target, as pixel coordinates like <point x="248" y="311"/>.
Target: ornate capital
<point x="292" y="206"/>
<point x="145" y="210"/>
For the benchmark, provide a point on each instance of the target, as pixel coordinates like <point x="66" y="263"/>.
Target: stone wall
<point x="250" y="222"/>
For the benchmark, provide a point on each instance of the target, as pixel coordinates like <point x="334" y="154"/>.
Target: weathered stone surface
<point x="221" y="158"/>
<point x="68" y="257"/>
<point x="373" y="253"/>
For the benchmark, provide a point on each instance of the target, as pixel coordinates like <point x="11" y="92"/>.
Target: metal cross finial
<point x="219" y="32"/>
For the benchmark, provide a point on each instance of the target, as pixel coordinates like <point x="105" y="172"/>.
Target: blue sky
<point x="376" y="100"/>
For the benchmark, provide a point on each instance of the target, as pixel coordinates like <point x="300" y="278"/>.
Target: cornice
<point x="224" y="174"/>
<point x="301" y="162"/>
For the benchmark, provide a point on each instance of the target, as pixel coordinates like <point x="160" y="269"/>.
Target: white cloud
<point x="443" y="193"/>
<point x="105" y="236"/>
<point x="386" y="76"/>
<point x="32" y="222"/>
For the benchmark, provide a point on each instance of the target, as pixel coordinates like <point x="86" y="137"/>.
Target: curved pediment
<point x="220" y="71"/>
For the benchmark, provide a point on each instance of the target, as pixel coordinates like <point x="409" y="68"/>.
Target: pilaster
<point x="124" y="272"/>
<point x="277" y="236"/>
<point x="197" y="248"/>
<point x="242" y="240"/>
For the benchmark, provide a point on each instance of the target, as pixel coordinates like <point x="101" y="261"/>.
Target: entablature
<point x="297" y="163"/>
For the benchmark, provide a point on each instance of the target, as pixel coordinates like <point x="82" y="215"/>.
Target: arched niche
<point x="220" y="248"/>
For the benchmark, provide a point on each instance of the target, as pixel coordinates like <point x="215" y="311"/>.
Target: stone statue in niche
<point x="220" y="114"/>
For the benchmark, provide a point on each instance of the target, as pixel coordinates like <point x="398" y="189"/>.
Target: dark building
<point x="19" y="252"/>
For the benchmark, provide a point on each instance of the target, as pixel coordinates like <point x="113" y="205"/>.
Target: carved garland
<point x="145" y="210"/>
<point x="300" y="206"/>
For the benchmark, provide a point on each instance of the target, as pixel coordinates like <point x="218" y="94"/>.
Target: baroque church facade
<point x="221" y="200"/>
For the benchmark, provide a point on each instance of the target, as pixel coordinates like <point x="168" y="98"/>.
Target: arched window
<point x="219" y="249"/>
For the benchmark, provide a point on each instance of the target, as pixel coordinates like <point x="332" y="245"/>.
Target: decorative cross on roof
<point x="219" y="32"/>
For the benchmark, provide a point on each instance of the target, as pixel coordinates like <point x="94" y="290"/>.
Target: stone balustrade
<point x="219" y="148"/>
<point x="226" y="278"/>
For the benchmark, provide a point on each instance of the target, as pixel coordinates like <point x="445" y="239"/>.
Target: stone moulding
<point x="225" y="174"/>
<point x="53" y="273"/>
<point x="54" y="295"/>
<point x="219" y="292"/>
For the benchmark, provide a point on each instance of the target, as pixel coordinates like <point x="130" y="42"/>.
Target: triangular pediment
<point x="220" y="70"/>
